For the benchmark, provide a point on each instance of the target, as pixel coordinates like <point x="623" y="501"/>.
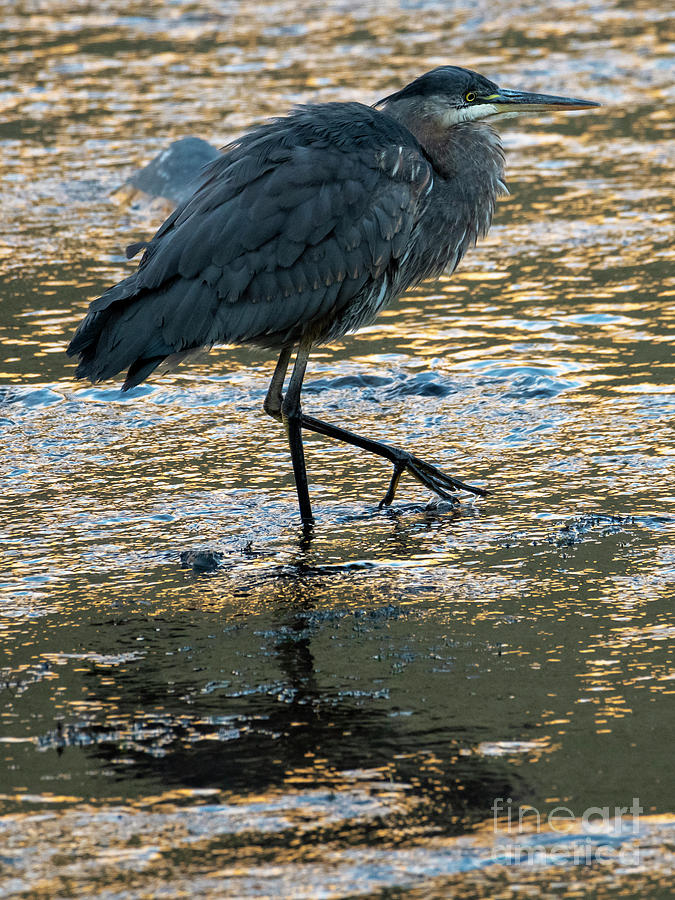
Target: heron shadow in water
<point x="302" y="231"/>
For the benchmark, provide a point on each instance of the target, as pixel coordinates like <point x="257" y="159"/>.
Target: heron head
<point x="449" y="95"/>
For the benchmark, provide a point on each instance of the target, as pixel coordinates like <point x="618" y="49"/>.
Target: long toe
<point x="435" y="478"/>
<point x="440" y="486"/>
<point x="445" y="486"/>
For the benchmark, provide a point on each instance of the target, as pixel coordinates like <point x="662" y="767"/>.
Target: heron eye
<point x="470" y="97"/>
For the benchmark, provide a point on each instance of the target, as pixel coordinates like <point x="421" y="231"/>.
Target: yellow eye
<point x="470" y="97"/>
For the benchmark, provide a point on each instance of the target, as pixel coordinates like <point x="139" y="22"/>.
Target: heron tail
<point x="115" y="335"/>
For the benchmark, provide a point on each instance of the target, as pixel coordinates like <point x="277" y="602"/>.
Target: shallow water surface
<point x="199" y="699"/>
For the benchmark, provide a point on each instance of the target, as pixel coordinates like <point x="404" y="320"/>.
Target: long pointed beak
<point x="522" y="101"/>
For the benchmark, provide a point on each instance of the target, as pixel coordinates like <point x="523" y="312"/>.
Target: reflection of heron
<point x="303" y="230"/>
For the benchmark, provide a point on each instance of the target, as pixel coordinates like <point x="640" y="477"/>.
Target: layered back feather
<point x="306" y="226"/>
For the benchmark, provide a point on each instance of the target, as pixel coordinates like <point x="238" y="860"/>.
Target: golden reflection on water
<point x="349" y="707"/>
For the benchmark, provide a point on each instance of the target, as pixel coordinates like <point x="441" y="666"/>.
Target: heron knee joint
<point x="272" y="408"/>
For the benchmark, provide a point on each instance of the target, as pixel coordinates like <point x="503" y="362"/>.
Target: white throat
<point x="450" y="116"/>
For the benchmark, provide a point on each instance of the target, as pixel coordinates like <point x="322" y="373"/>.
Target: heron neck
<point x="468" y="162"/>
<point x="469" y="159"/>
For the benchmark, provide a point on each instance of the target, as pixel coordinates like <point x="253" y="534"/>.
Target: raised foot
<point x="431" y="477"/>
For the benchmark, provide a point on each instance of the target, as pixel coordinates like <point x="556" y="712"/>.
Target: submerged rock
<point x="172" y="175"/>
<point x="201" y="561"/>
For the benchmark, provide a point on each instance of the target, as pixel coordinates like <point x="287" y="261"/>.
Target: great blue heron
<point x="303" y="230"/>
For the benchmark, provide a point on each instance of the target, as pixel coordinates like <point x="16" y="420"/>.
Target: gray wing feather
<point x="286" y="230"/>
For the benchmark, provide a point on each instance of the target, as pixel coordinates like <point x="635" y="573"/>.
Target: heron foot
<point x="430" y="476"/>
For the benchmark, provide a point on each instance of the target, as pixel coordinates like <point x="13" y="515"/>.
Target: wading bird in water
<point x="303" y="230"/>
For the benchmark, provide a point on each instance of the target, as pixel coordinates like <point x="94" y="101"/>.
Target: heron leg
<point x="290" y="412"/>
<point x="274" y="397"/>
<point x="424" y="472"/>
<point x="292" y="417"/>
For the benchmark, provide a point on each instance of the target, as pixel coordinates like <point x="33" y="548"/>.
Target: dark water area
<point x="196" y="698"/>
